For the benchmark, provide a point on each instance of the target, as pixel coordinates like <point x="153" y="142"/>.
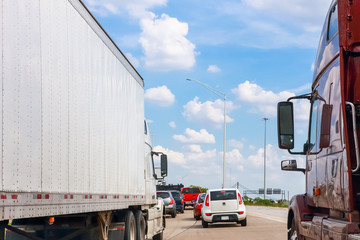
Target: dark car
<point x="179" y="200"/>
<point x="198" y="205"/>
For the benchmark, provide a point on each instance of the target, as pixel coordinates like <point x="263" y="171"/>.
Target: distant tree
<point x="203" y="189"/>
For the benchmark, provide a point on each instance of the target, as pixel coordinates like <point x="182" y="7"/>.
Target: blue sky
<point x="258" y="52"/>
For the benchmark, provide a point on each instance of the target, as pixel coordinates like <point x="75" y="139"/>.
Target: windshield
<point x="191" y="190"/>
<point x="223" y="195"/>
<point x="201" y="198"/>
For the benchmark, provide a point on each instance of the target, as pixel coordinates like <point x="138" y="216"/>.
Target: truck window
<point x="191" y="190"/>
<point x="333" y="22"/>
<point x="313" y="129"/>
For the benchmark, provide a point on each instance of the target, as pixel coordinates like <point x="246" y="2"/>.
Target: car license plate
<point x="224" y="218"/>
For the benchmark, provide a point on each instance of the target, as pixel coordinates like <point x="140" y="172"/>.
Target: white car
<point x="223" y="205"/>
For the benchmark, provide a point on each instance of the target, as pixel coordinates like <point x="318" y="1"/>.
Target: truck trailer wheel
<point x="140" y="225"/>
<point x="130" y="226"/>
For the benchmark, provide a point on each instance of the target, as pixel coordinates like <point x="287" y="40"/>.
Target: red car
<point x="198" y="205"/>
<point x="190" y="194"/>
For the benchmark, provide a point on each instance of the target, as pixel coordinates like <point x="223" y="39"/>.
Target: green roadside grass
<point x="264" y="202"/>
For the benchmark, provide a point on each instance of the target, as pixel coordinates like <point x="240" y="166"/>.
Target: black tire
<point x="197" y="217"/>
<point x="173" y="214"/>
<point x="204" y="224"/>
<point x="292" y="233"/>
<point x="243" y="222"/>
<point x="130" y="226"/>
<point x="140" y="225"/>
<point x="182" y="209"/>
<point x="158" y="236"/>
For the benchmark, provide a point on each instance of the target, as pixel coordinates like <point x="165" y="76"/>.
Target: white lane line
<point x="272" y="218"/>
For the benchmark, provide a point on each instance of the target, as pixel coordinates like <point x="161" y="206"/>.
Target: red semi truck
<point x="329" y="209"/>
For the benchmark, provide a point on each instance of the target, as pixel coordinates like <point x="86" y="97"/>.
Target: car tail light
<point x="207" y="201"/>
<point x="240" y="199"/>
<point x="208" y="214"/>
<point x="182" y="201"/>
<point x="171" y="202"/>
<point x="242" y="212"/>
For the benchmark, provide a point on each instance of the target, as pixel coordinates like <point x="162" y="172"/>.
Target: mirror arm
<point x="296" y="153"/>
<point x="156" y="153"/>
<point x="307" y="96"/>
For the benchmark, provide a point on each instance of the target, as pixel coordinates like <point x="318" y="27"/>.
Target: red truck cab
<point x="330" y="207"/>
<point x="190" y="195"/>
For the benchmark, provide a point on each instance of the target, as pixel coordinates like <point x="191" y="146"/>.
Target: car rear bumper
<point x="170" y="209"/>
<point x="188" y="203"/>
<point x="223" y="217"/>
<point x="179" y="207"/>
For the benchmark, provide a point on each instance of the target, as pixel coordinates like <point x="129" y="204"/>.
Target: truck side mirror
<point x="291" y="165"/>
<point x="164" y="168"/>
<point x="285" y="117"/>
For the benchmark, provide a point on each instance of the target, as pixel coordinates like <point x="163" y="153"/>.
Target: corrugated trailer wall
<point x="72" y="107"/>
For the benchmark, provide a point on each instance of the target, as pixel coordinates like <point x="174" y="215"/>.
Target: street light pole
<point x="224" y="152"/>
<point x="222" y="95"/>
<point x="265" y="119"/>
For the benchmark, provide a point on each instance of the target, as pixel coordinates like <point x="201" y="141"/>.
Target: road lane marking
<point x="269" y="217"/>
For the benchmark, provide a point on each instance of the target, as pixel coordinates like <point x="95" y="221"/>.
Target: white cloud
<point x="252" y="147"/>
<point x="235" y="144"/>
<point x="274" y="155"/>
<point x="160" y="96"/>
<point x="173" y="157"/>
<point x="163" y="39"/>
<point x="234" y="157"/>
<point x="192" y="136"/>
<point x="214" y="69"/>
<point x="260" y="100"/>
<point x="172" y="124"/>
<point x="165" y="44"/>
<point x="303" y="12"/>
<point x="267" y="24"/>
<point x="208" y="112"/>
<point x="194" y="148"/>
<point x="198" y="162"/>
<point x="264" y="102"/>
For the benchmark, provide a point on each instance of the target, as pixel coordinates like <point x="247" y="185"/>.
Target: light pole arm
<point x="223" y="96"/>
<point x="217" y="92"/>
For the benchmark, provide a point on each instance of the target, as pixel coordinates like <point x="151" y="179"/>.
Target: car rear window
<point x="163" y="194"/>
<point x="191" y="190"/>
<point x="223" y="195"/>
<point x="176" y="195"/>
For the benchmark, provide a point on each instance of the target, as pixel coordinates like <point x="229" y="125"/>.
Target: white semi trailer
<point x="75" y="160"/>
